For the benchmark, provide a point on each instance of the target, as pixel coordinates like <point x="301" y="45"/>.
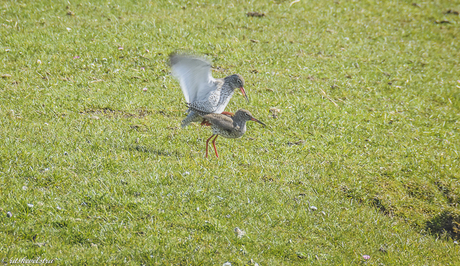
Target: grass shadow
<point x="144" y="149"/>
<point x="447" y="222"/>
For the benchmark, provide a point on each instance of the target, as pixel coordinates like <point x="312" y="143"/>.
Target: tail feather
<point x="191" y="117"/>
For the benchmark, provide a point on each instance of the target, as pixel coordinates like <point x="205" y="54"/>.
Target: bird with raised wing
<point x="200" y="89"/>
<point x="231" y="127"/>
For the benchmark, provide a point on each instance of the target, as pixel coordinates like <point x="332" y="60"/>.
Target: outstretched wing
<point x="194" y="75"/>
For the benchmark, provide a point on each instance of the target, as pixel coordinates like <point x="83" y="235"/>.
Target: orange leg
<point x="207" y="142"/>
<point x="214" y="144"/>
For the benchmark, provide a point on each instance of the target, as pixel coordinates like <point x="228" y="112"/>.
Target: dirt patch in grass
<point x="450" y="190"/>
<point x="420" y="191"/>
<point x="378" y="203"/>
<point x="108" y="112"/>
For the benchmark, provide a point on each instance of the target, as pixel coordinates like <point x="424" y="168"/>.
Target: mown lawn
<point x="361" y="156"/>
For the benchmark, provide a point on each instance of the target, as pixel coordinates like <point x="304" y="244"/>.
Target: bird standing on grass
<point x="201" y="90"/>
<point x="231" y="127"/>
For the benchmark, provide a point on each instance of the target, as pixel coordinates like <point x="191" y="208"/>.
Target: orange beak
<point x="244" y="94"/>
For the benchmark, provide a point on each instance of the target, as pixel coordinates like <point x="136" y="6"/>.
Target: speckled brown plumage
<point x="231" y="127"/>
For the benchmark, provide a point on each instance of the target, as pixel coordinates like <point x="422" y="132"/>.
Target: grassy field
<point x="362" y="157"/>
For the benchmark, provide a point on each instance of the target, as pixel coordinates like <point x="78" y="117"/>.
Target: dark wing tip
<point x="173" y="58"/>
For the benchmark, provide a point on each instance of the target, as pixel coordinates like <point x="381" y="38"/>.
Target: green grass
<point x="368" y="133"/>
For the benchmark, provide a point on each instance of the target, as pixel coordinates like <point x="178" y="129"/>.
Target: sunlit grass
<point x="362" y="158"/>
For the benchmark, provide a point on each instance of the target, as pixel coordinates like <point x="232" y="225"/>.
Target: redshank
<point x="231" y="127"/>
<point x="201" y="90"/>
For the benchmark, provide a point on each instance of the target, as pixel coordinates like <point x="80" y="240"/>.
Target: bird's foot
<point x="205" y="123"/>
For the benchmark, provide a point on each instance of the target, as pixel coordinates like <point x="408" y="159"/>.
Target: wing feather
<point x="194" y="75"/>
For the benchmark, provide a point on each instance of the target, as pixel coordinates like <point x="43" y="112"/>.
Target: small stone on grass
<point x="239" y="233"/>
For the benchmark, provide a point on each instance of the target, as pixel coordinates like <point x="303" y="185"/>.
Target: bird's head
<point x="246" y="116"/>
<point x="236" y="81"/>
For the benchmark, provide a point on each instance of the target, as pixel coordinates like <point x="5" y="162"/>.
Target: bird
<point x="200" y="89"/>
<point x="231" y="127"/>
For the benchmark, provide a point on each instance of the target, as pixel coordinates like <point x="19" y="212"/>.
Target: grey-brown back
<point x="219" y="120"/>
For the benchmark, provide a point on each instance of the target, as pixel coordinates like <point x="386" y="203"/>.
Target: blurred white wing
<point x="194" y="75"/>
